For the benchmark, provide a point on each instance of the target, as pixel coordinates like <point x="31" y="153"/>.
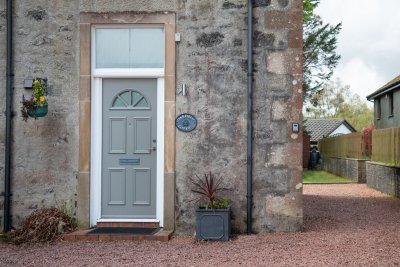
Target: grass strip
<point x="310" y="177"/>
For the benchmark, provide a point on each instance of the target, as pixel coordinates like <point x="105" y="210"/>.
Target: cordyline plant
<point x="208" y="187"/>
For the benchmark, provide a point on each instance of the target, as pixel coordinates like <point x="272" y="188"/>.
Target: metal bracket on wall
<point x="28" y="83"/>
<point x="183" y="90"/>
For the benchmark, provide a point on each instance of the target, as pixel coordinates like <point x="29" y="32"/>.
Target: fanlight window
<point x="130" y="48"/>
<point x="130" y="99"/>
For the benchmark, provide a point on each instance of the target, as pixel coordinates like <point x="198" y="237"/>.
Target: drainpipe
<point x="249" y="116"/>
<point x="9" y="93"/>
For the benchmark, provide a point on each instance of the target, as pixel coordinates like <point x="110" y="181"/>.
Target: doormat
<point x="124" y="231"/>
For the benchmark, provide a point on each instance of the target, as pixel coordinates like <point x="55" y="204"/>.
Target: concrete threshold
<point x="82" y="235"/>
<point x="332" y="183"/>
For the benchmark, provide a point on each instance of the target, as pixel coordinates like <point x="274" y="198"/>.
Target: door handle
<point x="154" y="148"/>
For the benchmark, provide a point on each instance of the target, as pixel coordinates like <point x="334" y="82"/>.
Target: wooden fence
<point x="346" y="146"/>
<point x="386" y="146"/>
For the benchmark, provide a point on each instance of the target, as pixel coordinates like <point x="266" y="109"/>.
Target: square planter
<point x="213" y="224"/>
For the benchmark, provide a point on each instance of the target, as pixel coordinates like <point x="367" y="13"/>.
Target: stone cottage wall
<point x="45" y="152"/>
<point x="278" y="151"/>
<point x="211" y="60"/>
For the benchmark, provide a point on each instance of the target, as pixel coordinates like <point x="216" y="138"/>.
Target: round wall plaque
<point x="186" y="122"/>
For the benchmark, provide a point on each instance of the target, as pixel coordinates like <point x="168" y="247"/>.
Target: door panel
<point x="142" y="136"/>
<point x="117" y="184"/>
<point x="117" y="135"/>
<point x="129" y="149"/>
<point x="142" y="187"/>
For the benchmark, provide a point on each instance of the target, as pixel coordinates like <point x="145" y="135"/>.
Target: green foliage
<point x="319" y="50"/>
<point x="208" y="187"/>
<point x="308" y="9"/>
<point x="335" y="100"/>
<point x="219" y="203"/>
<point x="310" y="177"/>
<point x="39" y="92"/>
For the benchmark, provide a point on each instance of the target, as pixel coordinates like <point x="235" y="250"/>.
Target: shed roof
<point x="319" y="128"/>
<point x="394" y="83"/>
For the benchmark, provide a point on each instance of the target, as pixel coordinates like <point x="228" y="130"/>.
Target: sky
<point x="369" y="41"/>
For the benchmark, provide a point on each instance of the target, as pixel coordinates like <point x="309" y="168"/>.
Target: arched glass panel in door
<point x="130" y="99"/>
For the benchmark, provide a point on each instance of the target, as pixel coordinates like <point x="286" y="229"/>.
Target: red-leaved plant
<point x="367" y="139"/>
<point x="208" y="188"/>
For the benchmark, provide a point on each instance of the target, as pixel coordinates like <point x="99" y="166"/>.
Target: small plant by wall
<point x="44" y="225"/>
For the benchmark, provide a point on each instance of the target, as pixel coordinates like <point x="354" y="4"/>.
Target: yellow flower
<point x="34" y="99"/>
<point x="41" y="98"/>
<point x="41" y="105"/>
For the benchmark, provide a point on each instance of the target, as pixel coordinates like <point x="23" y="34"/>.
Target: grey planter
<point x="213" y="224"/>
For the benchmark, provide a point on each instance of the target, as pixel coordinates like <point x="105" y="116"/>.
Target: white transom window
<point x="128" y="50"/>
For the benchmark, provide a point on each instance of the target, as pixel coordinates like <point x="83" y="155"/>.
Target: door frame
<point x="96" y="131"/>
<point x="84" y="190"/>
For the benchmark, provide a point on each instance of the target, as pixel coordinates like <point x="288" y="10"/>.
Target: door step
<point x="128" y="224"/>
<point x="85" y="235"/>
<point x="124" y="231"/>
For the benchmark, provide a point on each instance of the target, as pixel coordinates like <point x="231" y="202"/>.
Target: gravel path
<point x="345" y="225"/>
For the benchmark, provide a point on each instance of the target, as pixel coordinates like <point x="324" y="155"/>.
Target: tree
<point x="308" y="9"/>
<point x="335" y="100"/>
<point x="319" y="51"/>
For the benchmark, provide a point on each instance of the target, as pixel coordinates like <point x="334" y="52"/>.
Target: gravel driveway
<point x="345" y="225"/>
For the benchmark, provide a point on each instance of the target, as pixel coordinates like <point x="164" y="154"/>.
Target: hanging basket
<point x="38" y="111"/>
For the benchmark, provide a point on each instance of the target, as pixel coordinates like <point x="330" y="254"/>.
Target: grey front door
<point x="128" y="183"/>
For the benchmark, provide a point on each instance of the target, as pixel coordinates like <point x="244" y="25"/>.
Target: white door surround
<point x="96" y="134"/>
